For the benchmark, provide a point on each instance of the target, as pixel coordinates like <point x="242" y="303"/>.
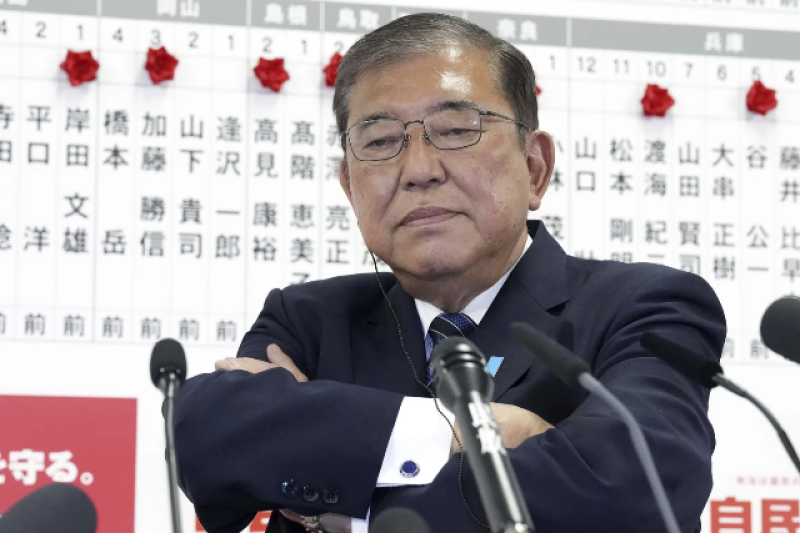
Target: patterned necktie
<point x="448" y="325"/>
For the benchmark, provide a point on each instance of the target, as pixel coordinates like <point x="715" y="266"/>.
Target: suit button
<point x="290" y="489"/>
<point x="330" y="496"/>
<point x="310" y="493"/>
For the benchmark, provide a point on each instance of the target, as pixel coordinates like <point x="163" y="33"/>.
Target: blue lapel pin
<point x="493" y="365"/>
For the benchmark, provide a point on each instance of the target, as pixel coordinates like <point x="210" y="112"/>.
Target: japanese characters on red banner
<point x="88" y="442"/>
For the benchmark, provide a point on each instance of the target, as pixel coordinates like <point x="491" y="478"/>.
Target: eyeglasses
<point x="448" y="129"/>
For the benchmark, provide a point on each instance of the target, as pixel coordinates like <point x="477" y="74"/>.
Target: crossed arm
<point x="579" y="476"/>
<point x="514" y="423"/>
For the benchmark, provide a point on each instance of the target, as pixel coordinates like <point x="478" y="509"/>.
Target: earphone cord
<point x="431" y="392"/>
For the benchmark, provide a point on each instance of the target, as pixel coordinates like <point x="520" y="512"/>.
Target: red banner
<point x="735" y="516"/>
<point x="88" y="442"/>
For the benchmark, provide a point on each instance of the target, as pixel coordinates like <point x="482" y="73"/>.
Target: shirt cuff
<point x="358" y="525"/>
<point x="419" y="446"/>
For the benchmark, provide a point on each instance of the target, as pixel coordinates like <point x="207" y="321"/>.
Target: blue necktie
<point x="448" y="325"/>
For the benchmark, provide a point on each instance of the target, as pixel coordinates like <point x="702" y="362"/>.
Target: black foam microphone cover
<point x="562" y="362"/>
<point x="682" y="359"/>
<point x="780" y="327"/>
<point x="456" y="350"/>
<point x="399" y="520"/>
<point x="458" y="369"/>
<point x="54" y="507"/>
<point x="168" y="356"/>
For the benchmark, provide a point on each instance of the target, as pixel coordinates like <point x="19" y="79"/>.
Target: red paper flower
<point x="160" y="64"/>
<point x="656" y="101"/>
<point x="538" y="91"/>
<point x="80" y="67"/>
<point x="271" y="73"/>
<point x="760" y="99"/>
<point x="332" y="69"/>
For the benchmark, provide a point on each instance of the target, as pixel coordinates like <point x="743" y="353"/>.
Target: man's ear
<point x="344" y="179"/>
<point x="541" y="157"/>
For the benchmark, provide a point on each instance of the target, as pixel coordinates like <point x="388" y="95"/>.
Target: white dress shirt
<point x="420" y="433"/>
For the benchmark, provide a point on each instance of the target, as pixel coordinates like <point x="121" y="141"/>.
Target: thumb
<point x="277" y="356"/>
<point x="229" y="363"/>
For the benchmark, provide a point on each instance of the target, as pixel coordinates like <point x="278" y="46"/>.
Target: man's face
<point x="432" y="214"/>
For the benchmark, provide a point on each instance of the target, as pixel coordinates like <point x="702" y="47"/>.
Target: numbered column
<point x="344" y="24"/>
<point x="118" y="210"/>
<point x="12" y="116"/>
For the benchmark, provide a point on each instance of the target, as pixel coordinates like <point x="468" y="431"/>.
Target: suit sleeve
<point x="583" y="475"/>
<point x="239" y="436"/>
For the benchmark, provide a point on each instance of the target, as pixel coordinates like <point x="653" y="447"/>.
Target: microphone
<point x="54" y="507"/>
<point x="709" y="374"/>
<point x="464" y="386"/>
<point x="574" y="371"/>
<point x="399" y="520"/>
<point x="167" y="358"/>
<point x="780" y="327"/>
<point x="168" y="372"/>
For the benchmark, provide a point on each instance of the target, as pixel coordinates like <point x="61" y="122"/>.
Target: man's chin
<point x="430" y="266"/>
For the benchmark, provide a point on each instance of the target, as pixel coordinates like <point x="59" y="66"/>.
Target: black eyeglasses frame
<point x="407" y="138"/>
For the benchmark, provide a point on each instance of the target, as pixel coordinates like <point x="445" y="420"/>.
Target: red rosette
<point x="538" y="90"/>
<point x="656" y="101"/>
<point x="761" y="99"/>
<point x="332" y="69"/>
<point x="271" y="74"/>
<point x="80" y="67"/>
<point x="160" y="64"/>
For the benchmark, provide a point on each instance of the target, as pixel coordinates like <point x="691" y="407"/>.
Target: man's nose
<point x="421" y="166"/>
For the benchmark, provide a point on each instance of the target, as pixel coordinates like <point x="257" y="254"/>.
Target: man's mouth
<point x="427" y="215"/>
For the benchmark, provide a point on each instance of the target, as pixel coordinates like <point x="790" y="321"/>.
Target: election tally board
<point x="131" y="211"/>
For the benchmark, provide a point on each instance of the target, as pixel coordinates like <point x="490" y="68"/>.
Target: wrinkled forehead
<point x="412" y="87"/>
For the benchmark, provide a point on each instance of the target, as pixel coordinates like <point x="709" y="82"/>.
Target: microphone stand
<point x="169" y="386"/>
<point x="497" y="484"/>
<point x="787" y="444"/>
<point x="464" y="386"/>
<point x="574" y="371"/>
<point x="589" y="383"/>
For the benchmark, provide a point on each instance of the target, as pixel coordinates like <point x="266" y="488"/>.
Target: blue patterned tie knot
<point x="448" y="325"/>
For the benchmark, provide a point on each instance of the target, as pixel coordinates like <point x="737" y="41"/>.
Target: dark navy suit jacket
<point x="241" y="438"/>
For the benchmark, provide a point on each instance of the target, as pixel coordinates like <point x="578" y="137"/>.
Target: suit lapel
<point x="379" y="360"/>
<point x="536" y="287"/>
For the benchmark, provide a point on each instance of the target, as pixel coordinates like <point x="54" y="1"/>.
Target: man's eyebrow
<point x="375" y="116"/>
<point x="453" y="104"/>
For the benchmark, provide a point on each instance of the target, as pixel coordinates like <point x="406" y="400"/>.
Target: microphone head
<point x="399" y="520"/>
<point x="459" y="367"/>
<point x="562" y="362"/>
<point x="780" y="327"/>
<point x="54" y="507"/>
<point x="168" y="356"/>
<point x="682" y="359"/>
<point x="455" y="350"/>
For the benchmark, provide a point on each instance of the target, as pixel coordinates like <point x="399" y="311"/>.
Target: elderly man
<point x="325" y="414"/>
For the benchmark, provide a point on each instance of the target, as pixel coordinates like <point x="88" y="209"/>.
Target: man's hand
<point x="277" y="359"/>
<point x="330" y="522"/>
<point x="515" y="424"/>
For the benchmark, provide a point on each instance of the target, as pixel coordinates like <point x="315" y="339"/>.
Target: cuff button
<point x="330" y="496"/>
<point x="290" y="489"/>
<point x="310" y="493"/>
<point x="409" y="469"/>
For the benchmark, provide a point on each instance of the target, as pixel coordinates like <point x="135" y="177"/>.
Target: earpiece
<point x="429" y="389"/>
